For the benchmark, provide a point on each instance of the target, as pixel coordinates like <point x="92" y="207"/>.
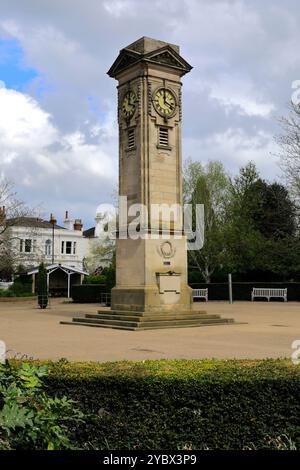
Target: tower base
<point x="148" y="320"/>
<point x="152" y="299"/>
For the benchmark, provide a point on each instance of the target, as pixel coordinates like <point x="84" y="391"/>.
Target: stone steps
<point x="146" y="327"/>
<point x="147" y="314"/>
<point x="147" y="321"/>
<point x="148" y="317"/>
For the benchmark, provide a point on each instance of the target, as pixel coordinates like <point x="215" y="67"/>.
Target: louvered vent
<point x="163" y="136"/>
<point x="131" y="139"/>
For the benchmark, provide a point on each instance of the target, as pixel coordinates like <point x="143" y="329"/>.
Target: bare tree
<point x="12" y="210"/>
<point x="289" y="144"/>
<point x="102" y="254"/>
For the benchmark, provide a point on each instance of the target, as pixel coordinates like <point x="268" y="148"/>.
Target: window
<point x="131" y="139"/>
<point x="48" y="247"/>
<point x="68" y="248"/>
<point x="28" y="245"/>
<point x="163" y="136"/>
<point x="21" y="246"/>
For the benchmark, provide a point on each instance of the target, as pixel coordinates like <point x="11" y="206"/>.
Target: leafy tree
<point x="261" y="222"/>
<point x="273" y="214"/>
<point x="250" y="224"/>
<point x="208" y="185"/>
<point x="191" y="172"/>
<point x="243" y="242"/>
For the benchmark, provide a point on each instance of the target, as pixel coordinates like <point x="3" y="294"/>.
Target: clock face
<point x="129" y="104"/>
<point x="164" y="102"/>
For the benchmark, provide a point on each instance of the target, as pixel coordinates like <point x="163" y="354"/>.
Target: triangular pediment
<point x="124" y="60"/>
<point x="166" y="56"/>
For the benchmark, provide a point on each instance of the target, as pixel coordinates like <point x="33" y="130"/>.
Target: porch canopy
<point x="52" y="268"/>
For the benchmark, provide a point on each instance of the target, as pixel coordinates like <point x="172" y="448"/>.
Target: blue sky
<point x="12" y="69"/>
<point x="58" y="127"/>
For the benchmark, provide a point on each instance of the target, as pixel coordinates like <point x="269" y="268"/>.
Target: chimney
<point x="68" y="223"/>
<point x="77" y="224"/>
<point x="52" y="220"/>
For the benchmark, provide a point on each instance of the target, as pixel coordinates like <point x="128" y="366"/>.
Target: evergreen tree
<point x="274" y="214"/>
<point x="42" y="286"/>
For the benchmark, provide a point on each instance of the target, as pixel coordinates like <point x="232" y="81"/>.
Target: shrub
<point x="110" y="275"/>
<point x="99" y="279"/>
<point x="22" y="285"/>
<point x="29" y="417"/>
<point x="106" y="278"/>
<point x="10" y="293"/>
<point x="88" y="293"/>
<point x="173" y="404"/>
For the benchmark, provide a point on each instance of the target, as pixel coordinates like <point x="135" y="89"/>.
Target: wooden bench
<point x="268" y="293"/>
<point x="200" y="294"/>
<point x="105" y="299"/>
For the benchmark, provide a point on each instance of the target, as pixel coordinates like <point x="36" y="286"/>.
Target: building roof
<point x="33" y="222"/>
<point x="63" y="267"/>
<point x="148" y="50"/>
<point x="89" y="233"/>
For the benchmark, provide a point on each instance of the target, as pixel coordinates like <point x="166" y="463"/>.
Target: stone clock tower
<point x="151" y="269"/>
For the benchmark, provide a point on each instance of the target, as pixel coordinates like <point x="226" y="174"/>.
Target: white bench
<point x="200" y="294"/>
<point x="268" y="293"/>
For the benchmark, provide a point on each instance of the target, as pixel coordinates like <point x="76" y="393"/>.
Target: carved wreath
<point x="166" y="250"/>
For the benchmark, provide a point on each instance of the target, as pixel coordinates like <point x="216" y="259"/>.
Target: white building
<point x="34" y="240"/>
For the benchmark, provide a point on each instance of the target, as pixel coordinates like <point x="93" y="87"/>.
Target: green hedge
<point x="99" y="279"/>
<point x="11" y="293"/>
<point x="181" y="404"/>
<point x="22" y="287"/>
<point x="242" y="290"/>
<point x="87" y="293"/>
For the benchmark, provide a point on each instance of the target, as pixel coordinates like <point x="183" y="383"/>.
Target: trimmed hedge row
<point x="21" y="287"/>
<point x="182" y="404"/>
<point x="242" y="290"/>
<point x="87" y="293"/>
<point x="90" y="293"/>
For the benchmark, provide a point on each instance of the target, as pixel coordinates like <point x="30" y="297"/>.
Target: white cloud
<point x="36" y="154"/>
<point x="24" y="126"/>
<point x="119" y="7"/>
<point x="235" y="148"/>
<point x="237" y="92"/>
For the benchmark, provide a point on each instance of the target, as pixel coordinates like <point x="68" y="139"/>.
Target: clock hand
<point x="169" y="105"/>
